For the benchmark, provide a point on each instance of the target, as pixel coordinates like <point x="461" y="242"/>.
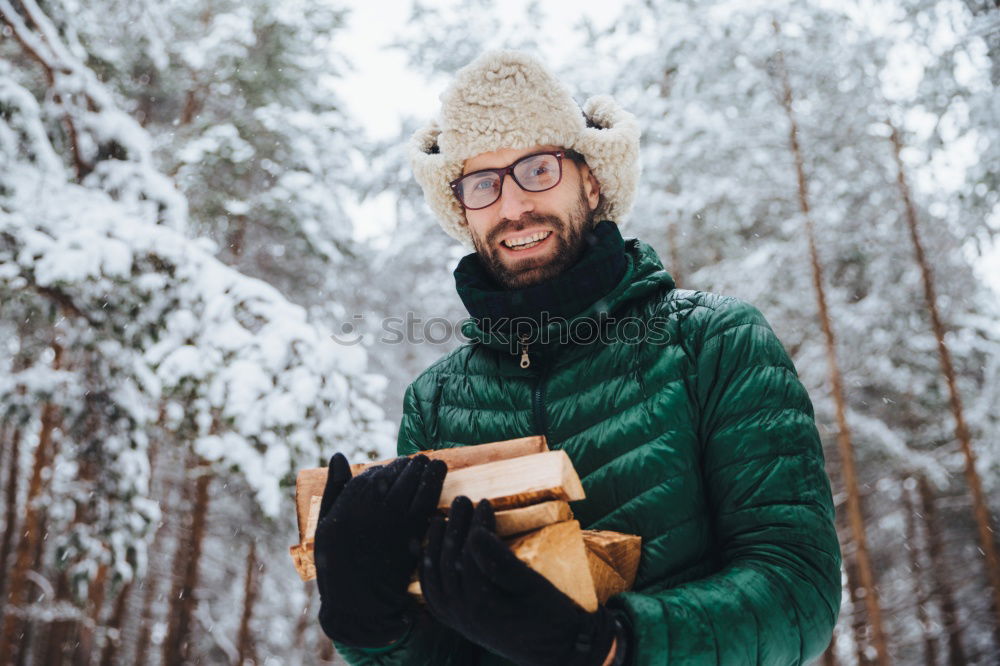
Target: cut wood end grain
<point x="303" y="557"/>
<point x="621" y="551"/>
<point x="557" y="552"/>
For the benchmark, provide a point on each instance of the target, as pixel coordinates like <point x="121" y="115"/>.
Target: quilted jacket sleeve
<point x="428" y="642"/>
<point x="776" y="599"/>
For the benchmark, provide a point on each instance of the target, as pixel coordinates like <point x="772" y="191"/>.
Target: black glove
<point x="368" y="544"/>
<point x="472" y="582"/>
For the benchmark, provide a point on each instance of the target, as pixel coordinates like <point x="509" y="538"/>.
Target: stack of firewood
<point x="530" y="488"/>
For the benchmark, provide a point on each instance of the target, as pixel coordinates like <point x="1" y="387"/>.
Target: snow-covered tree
<point x="153" y="344"/>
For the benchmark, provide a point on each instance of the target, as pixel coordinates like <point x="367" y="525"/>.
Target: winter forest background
<point x="193" y="206"/>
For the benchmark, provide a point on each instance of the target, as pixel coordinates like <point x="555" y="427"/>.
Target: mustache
<point x="506" y="226"/>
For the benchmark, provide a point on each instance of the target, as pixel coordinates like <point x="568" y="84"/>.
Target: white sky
<point x="382" y="89"/>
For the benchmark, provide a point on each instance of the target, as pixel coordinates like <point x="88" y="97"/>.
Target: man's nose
<point x="514" y="202"/>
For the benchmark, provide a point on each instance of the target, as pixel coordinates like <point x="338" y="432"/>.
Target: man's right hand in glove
<point x="367" y="546"/>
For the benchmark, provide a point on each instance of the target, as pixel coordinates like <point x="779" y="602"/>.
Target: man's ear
<point x="591" y="187"/>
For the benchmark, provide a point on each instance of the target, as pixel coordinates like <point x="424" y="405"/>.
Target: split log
<point x="621" y="551"/>
<point x="565" y="555"/>
<point x="557" y="552"/>
<point x="530" y="488"/>
<point x="310" y="482"/>
<point x="607" y="581"/>
<point x="516" y="482"/>
<point x="524" y="519"/>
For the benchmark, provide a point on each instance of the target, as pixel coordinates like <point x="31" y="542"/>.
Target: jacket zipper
<point x="538" y="394"/>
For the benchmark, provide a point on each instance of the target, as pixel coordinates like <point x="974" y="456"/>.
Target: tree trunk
<point x="306" y="620"/>
<point x="245" y="640"/>
<point x="56" y="637"/>
<point x="145" y="619"/>
<point x="859" y="618"/>
<point x="10" y="517"/>
<point x="13" y="432"/>
<point x="942" y="588"/>
<point x="85" y="646"/>
<point x="844" y="444"/>
<point x="176" y="648"/>
<point x="913" y="546"/>
<point x="830" y="655"/>
<point x="113" y="640"/>
<point x="326" y="652"/>
<point x="29" y="543"/>
<point x="675" y="256"/>
<point x="148" y="584"/>
<point x="981" y="511"/>
<point x="237" y="236"/>
<point x="5" y="430"/>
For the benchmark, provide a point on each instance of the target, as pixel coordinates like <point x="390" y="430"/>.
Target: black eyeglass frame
<point x="502" y="173"/>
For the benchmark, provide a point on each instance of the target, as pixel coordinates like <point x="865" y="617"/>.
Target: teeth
<point x="520" y="242"/>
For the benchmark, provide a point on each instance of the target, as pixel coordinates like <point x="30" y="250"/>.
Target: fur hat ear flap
<point x="610" y="144"/>
<point x="432" y="168"/>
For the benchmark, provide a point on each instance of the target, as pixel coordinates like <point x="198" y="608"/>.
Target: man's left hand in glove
<point x="473" y="583"/>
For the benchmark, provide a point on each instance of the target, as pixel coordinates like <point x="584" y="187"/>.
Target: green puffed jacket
<point x="700" y="438"/>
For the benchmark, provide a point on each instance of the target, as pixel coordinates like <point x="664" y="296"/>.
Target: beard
<point x="569" y="238"/>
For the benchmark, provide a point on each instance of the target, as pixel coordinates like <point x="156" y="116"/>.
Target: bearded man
<point x="680" y="410"/>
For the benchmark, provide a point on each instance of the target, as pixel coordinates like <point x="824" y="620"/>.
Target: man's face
<point x="559" y="216"/>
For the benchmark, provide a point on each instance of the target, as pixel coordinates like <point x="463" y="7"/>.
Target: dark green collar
<point x="611" y="273"/>
<point x="595" y="274"/>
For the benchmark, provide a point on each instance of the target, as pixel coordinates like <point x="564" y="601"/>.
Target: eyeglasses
<point x="532" y="173"/>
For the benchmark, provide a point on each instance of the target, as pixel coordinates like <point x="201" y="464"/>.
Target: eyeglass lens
<point x="534" y="173"/>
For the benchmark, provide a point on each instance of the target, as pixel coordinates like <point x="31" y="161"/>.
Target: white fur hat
<point x="508" y="99"/>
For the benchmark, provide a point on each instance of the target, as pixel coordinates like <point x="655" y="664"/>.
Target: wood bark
<point x="85" y="646"/>
<point x="5" y="429"/>
<point x="830" y="654"/>
<point x="913" y="546"/>
<point x="306" y="621"/>
<point x="675" y="255"/>
<point x="145" y="619"/>
<point x="113" y="639"/>
<point x="10" y="514"/>
<point x="54" y="638"/>
<point x="942" y="587"/>
<point x="176" y="647"/>
<point x="844" y="442"/>
<point x="13" y="432"/>
<point x="31" y="537"/>
<point x="309" y="483"/>
<point x="245" y="640"/>
<point x="237" y="236"/>
<point x="859" y="618"/>
<point x="980" y="509"/>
